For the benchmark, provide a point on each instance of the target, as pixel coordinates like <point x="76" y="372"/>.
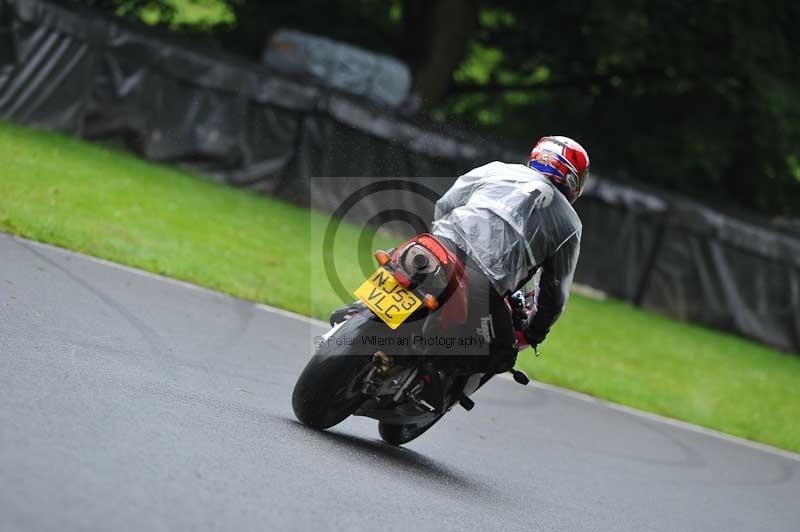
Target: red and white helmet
<point x="564" y="162"/>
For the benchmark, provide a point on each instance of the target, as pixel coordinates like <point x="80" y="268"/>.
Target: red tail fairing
<point x="452" y="300"/>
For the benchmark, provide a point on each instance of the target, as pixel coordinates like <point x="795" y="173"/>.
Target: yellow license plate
<point x="387" y="298"/>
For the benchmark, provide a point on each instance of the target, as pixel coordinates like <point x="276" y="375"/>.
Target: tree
<point x="698" y="97"/>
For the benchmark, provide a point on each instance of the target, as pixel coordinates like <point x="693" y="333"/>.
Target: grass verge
<point x="112" y="205"/>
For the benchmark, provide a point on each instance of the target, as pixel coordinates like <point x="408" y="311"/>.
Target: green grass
<point x="614" y="351"/>
<point x="112" y="205"/>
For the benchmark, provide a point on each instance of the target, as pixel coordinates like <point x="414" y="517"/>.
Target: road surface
<point x="129" y="402"/>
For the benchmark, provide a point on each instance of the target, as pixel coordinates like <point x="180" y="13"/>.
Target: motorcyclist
<point x="508" y="220"/>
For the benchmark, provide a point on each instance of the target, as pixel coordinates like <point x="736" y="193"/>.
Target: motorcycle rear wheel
<point x="324" y="394"/>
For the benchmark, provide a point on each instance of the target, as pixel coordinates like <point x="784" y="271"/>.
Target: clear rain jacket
<point x="511" y="220"/>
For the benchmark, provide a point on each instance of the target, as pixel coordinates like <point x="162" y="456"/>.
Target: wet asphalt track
<point x="131" y="403"/>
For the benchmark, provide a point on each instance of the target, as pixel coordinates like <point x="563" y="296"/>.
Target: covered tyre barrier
<point x="245" y="124"/>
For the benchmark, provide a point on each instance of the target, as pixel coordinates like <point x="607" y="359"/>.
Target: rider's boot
<point x="504" y="362"/>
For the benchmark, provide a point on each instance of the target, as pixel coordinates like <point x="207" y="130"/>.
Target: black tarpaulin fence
<point x="100" y="79"/>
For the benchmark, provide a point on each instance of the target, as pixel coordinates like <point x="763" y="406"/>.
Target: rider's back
<point x="509" y="219"/>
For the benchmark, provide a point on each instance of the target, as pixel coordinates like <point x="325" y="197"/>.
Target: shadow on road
<point x="402" y="459"/>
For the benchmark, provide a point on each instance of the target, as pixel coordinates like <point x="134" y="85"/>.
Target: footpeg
<point x="466" y="403"/>
<point x="519" y="376"/>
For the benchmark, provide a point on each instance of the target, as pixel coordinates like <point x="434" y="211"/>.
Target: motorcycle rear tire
<point x="322" y="396"/>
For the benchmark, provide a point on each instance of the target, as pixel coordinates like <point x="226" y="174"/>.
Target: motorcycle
<point x="418" y="292"/>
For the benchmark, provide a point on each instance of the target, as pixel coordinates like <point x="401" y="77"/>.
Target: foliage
<point x="697" y="97"/>
<point x="196" y="15"/>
